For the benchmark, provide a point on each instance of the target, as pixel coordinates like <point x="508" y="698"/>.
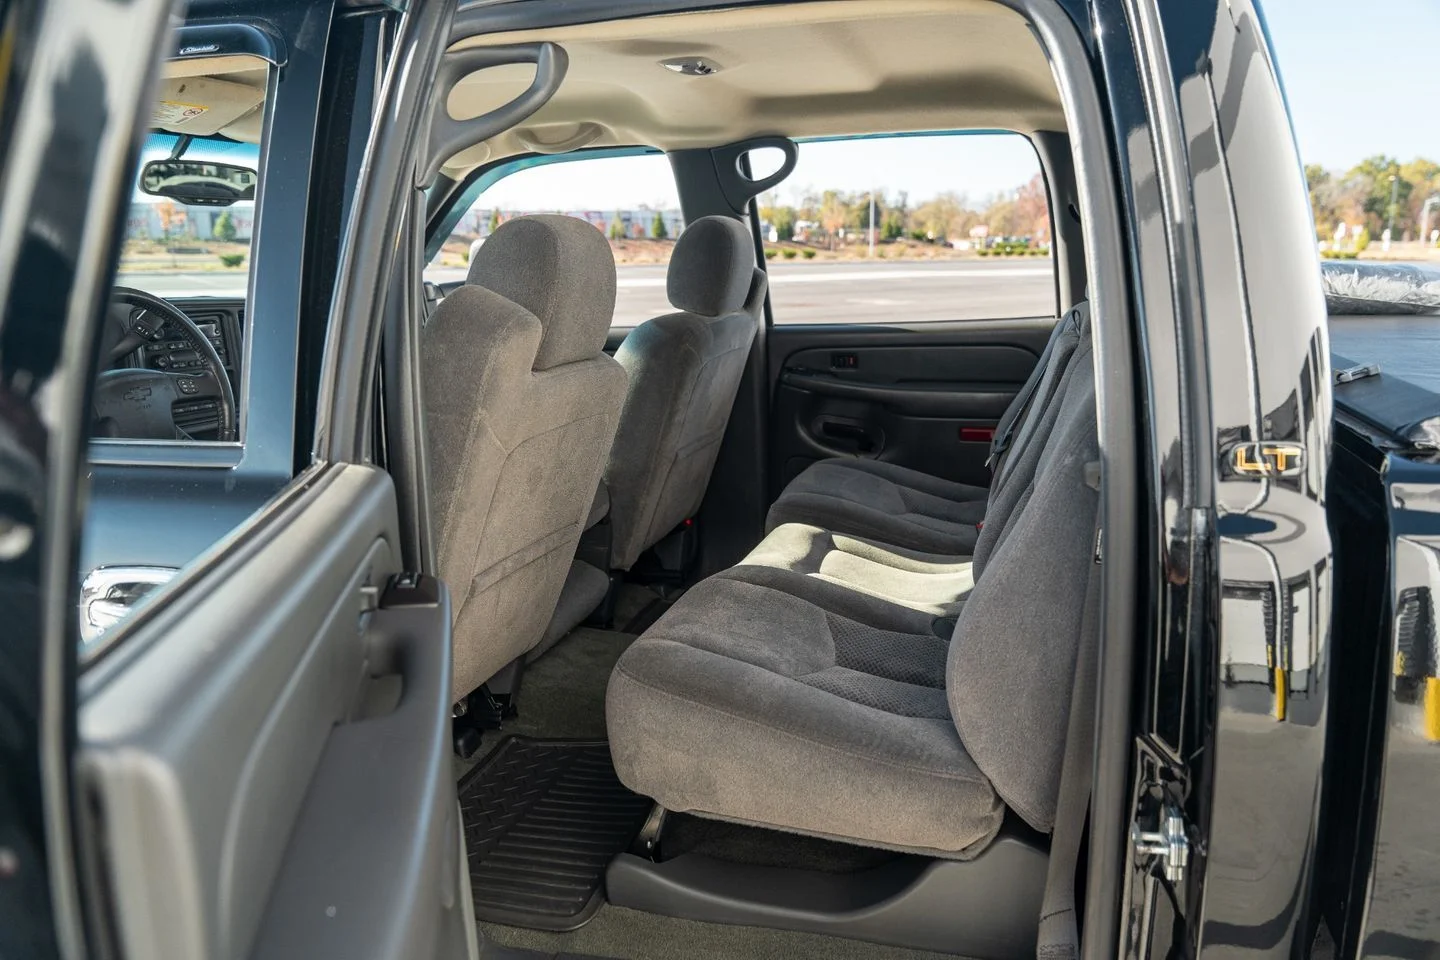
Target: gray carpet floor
<point x="562" y="695"/>
<point x="615" y="932"/>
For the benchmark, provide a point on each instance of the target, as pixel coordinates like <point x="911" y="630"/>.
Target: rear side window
<point x="631" y="199"/>
<point x="910" y="228"/>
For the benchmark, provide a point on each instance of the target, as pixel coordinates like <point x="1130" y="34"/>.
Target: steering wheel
<point x="137" y="404"/>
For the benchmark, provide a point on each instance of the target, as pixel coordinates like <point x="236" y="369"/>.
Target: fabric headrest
<point x="561" y="270"/>
<point x="711" y="267"/>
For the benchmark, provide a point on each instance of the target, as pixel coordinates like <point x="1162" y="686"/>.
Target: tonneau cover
<point x="1388" y="314"/>
<point x="1353" y="287"/>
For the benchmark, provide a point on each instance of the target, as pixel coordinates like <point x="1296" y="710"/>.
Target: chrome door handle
<point x="108" y="593"/>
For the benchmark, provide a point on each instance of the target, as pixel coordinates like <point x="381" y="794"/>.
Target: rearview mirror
<point x="198" y="182"/>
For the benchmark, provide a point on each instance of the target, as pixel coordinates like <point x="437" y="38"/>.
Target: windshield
<point x="176" y="249"/>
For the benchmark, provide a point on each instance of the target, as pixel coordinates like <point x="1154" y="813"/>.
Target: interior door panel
<point x="923" y="395"/>
<point x="267" y="747"/>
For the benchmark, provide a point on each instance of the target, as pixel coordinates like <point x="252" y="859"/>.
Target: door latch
<point x="1170" y="843"/>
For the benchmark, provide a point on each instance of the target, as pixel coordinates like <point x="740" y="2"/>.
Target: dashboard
<point x="222" y="322"/>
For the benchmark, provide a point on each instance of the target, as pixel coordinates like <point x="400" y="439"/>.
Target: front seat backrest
<point x="521" y="405"/>
<point x="684" y="371"/>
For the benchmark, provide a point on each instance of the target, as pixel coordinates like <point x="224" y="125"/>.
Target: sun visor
<point x="202" y="106"/>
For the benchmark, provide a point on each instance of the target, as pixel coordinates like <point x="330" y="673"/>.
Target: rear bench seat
<point x="936" y="582"/>
<point x="843" y="702"/>
<point x="907" y="508"/>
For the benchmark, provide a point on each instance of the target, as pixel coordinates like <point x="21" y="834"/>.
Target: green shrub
<point x="808" y="254"/>
<point x="224" y="228"/>
<point x="789" y="253"/>
<point x="1340" y="255"/>
<point x="232" y="259"/>
<point x="1037" y="252"/>
<point x="769" y="253"/>
<point x="1362" y="241"/>
<point x="983" y="252"/>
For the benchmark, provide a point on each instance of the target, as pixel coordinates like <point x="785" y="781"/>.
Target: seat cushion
<point x="885" y="502"/>
<point x="584" y="590"/>
<point x="927" y="582"/>
<point x="746" y="702"/>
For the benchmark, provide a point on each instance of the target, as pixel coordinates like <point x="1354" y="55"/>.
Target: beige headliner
<point x="808" y="69"/>
<point x="228" y="91"/>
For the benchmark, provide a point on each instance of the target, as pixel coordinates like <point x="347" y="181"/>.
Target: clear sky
<point x="975" y="164"/>
<point x="1361" y="76"/>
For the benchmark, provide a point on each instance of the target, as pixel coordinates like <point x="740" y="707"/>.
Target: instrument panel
<point x="222" y="323"/>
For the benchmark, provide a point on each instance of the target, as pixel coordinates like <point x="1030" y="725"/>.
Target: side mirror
<point x="199" y="182"/>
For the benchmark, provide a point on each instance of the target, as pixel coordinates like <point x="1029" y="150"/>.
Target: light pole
<point x="872" y="224"/>
<point x="1390" y="221"/>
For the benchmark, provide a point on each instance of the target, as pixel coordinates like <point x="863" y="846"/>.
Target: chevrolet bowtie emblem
<point x="138" y="393"/>
<point x="1265" y="459"/>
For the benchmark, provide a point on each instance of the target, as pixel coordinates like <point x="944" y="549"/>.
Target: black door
<point x="255" y="761"/>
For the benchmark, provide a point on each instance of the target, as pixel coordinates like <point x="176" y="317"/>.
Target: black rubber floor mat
<point x="543" y="818"/>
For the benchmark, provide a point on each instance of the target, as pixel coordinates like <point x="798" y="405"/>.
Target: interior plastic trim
<point x="228" y="39"/>
<point x="988" y="907"/>
<point x="447" y="136"/>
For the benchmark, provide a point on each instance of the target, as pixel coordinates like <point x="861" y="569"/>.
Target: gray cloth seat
<point x="931" y="582"/>
<point x="936" y="584"/>
<point x="684" y="370"/>
<point x="748" y="703"/>
<point x="894" y="504"/>
<point x="910" y="509"/>
<point x="768" y="696"/>
<point x="521" y="405"/>
<point x="584" y="590"/>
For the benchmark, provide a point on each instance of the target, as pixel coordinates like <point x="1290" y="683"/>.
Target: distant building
<point x="476" y="223"/>
<point x="147" y="220"/>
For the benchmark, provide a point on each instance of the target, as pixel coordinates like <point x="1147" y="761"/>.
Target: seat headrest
<point x="711" y="267"/>
<point x="561" y="270"/>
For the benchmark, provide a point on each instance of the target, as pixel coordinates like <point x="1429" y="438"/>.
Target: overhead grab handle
<point x="449" y="136"/>
<point x="739" y="187"/>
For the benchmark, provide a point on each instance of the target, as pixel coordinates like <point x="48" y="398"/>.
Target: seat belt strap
<point x="1010" y="419"/>
<point x="433" y="296"/>
<point x="1059" y="937"/>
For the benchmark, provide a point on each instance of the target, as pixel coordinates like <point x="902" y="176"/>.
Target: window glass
<point x="631" y="199"/>
<point x="175" y="248"/>
<point x="186" y="255"/>
<point x="169" y="408"/>
<point x="914" y="228"/>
